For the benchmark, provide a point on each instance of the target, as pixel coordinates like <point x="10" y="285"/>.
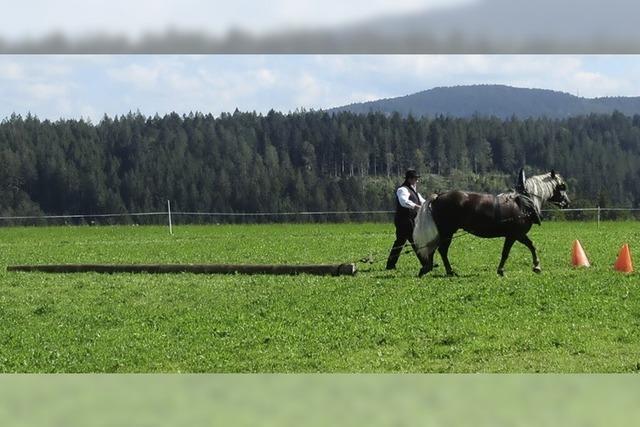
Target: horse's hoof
<point x="537" y="269"/>
<point x="500" y="273"/>
<point x="424" y="270"/>
<point x="452" y="274"/>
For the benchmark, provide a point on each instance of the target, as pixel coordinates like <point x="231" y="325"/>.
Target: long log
<point x="320" y="269"/>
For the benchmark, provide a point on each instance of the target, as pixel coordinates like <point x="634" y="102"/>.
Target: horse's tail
<point x="425" y="232"/>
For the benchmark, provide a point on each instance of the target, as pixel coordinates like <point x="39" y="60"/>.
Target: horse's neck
<point x="539" y="189"/>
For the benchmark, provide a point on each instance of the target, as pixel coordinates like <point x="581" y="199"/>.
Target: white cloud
<point x="310" y="91"/>
<point x="456" y="66"/>
<point x="595" y="84"/>
<point x="11" y="71"/>
<point x="413" y="73"/>
<point x="183" y="83"/>
<point x="65" y="108"/>
<point x="361" y="97"/>
<point x="55" y="86"/>
<point x="46" y="91"/>
<point x="266" y="77"/>
<point x="142" y="77"/>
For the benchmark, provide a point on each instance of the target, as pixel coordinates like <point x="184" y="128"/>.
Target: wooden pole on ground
<point x="323" y="270"/>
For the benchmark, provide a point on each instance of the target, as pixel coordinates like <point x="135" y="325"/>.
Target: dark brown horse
<point x="508" y="215"/>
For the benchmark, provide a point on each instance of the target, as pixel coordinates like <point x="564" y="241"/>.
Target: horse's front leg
<point x="506" y="248"/>
<point x="525" y="240"/>
<point x="427" y="262"/>
<point x="427" y="266"/>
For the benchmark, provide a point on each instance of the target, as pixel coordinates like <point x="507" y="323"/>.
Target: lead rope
<point x="370" y="260"/>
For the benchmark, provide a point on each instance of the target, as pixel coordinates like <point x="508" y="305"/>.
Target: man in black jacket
<point x="408" y="202"/>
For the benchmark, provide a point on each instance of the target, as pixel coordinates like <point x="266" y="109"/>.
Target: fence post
<point x="598" y="216"/>
<point x="169" y="212"/>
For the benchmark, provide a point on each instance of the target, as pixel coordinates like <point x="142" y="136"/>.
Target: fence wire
<point x="187" y="217"/>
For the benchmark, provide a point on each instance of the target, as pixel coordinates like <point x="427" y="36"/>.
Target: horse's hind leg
<point x="506" y="248"/>
<point x="443" y="248"/>
<point x="525" y="240"/>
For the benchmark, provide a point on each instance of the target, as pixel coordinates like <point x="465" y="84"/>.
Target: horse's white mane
<point x="541" y="187"/>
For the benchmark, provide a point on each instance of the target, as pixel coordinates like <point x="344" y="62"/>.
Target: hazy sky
<point x="36" y="18"/>
<point x="81" y="85"/>
<point x="320" y="26"/>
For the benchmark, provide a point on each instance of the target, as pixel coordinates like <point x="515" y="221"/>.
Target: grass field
<point x="563" y="320"/>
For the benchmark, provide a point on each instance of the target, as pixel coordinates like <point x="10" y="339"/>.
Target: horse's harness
<point x="529" y="207"/>
<point x="524" y="202"/>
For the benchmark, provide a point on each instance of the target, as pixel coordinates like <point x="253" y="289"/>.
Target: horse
<point x="509" y="215"/>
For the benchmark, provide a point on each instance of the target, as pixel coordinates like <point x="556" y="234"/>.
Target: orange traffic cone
<point x="578" y="257"/>
<point x="624" y="263"/>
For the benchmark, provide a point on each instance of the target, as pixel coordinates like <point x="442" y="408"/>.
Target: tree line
<point x="301" y="161"/>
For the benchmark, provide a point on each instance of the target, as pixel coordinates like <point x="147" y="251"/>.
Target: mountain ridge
<point x="494" y="100"/>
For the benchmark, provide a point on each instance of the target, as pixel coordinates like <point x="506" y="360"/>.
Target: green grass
<point x="563" y="320"/>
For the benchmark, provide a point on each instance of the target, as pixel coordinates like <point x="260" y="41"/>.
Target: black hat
<point x="411" y="173"/>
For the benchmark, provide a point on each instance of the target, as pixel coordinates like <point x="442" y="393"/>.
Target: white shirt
<point x="403" y="197"/>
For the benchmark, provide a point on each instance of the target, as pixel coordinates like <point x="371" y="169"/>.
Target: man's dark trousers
<point x="404" y="233"/>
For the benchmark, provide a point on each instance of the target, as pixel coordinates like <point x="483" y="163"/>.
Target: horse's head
<point x="559" y="196"/>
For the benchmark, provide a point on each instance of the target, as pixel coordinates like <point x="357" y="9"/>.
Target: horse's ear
<point x="521" y="179"/>
<point x="553" y="173"/>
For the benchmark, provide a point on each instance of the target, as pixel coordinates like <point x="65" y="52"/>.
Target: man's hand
<point x="417" y="207"/>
